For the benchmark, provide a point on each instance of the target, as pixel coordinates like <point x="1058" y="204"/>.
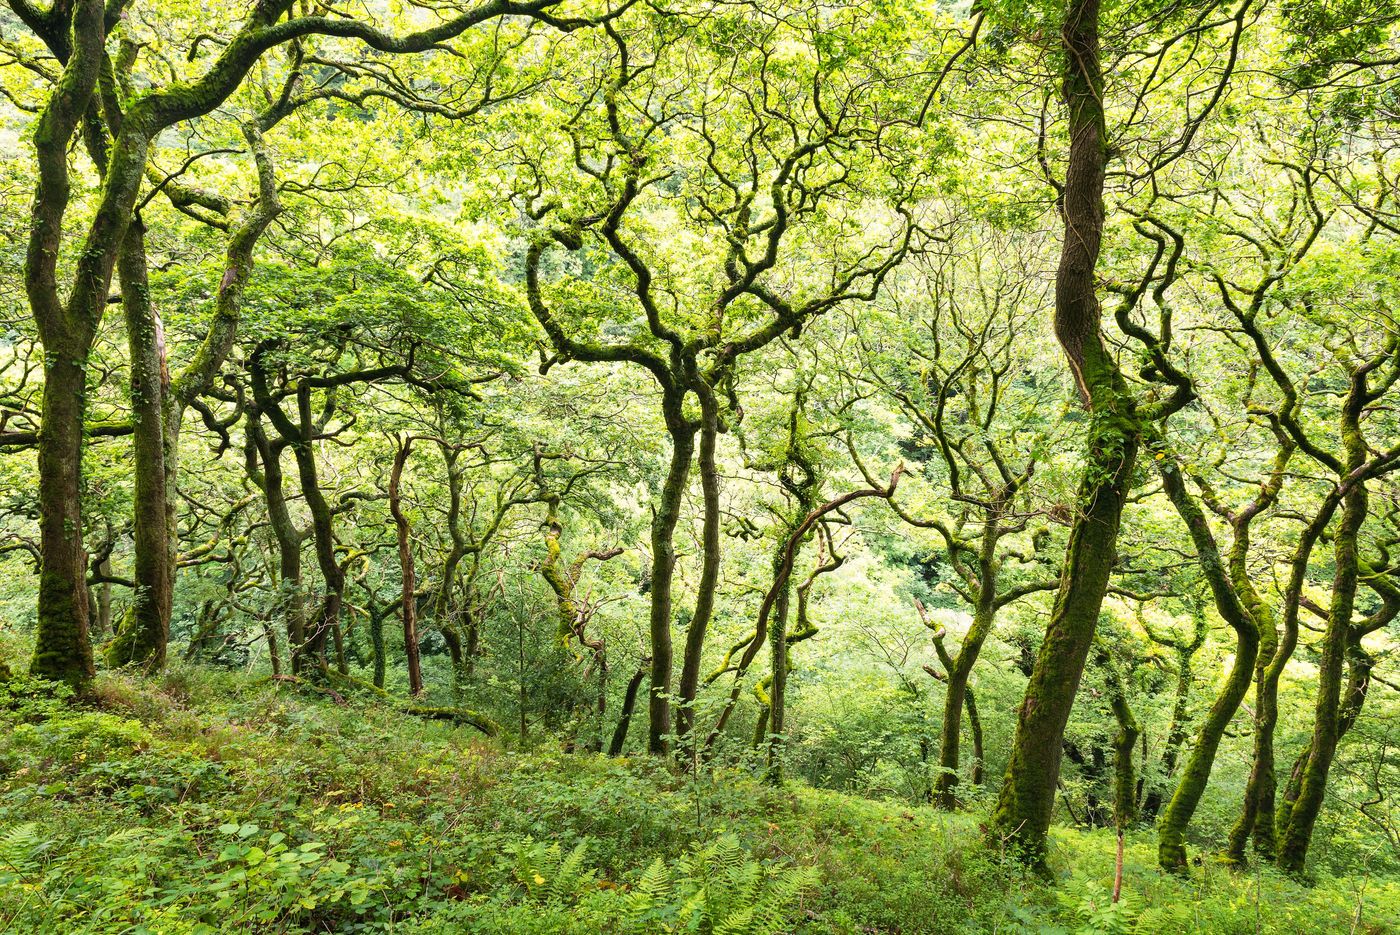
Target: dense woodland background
<point x="702" y="466"/>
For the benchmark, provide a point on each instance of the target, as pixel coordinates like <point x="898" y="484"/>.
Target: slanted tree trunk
<point x="1176" y="730"/>
<point x="629" y="705"/>
<point x="1171" y="851"/>
<point x="1327" y="724"/>
<point x="959" y="669"/>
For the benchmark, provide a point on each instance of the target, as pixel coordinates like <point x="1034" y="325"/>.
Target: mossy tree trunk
<point x="959" y="670"/>
<point x="1027" y="800"/>
<point x="145" y="631"/>
<point x="62" y="650"/>
<point x="708" y="584"/>
<point x="1302" y="816"/>
<point x="1259" y="816"/>
<point x="664" y="520"/>
<point x="1185" y="650"/>
<point x="629" y="705"/>
<point x="1172" y="831"/>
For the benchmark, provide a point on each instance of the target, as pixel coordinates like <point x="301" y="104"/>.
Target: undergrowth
<point x="211" y="802"/>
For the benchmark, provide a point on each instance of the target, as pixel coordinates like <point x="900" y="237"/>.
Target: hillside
<point x="211" y="802"/>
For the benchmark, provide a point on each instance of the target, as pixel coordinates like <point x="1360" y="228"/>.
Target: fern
<point x="569" y="877"/>
<point x="20" y="846"/>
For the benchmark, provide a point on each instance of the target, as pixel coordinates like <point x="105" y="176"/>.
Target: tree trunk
<point x="709" y="569"/>
<point x="1258" y="815"/>
<point x="408" y="604"/>
<point x="1171" y="851"/>
<point x="103" y="624"/>
<point x="629" y="705"/>
<point x="376" y="642"/>
<point x="1124" y="782"/>
<point x="1027" y="801"/>
<point x="974" y="726"/>
<point x="1176" y="732"/>
<point x="62" y="650"/>
<point x="1327" y="724"/>
<point x="269" y="477"/>
<point x="663" y="567"/>
<point x="949" y="757"/>
<point x="777" y="685"/>
<point x="146" y="632"/>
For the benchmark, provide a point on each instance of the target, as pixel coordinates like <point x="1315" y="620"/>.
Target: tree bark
<point x="1327" y="726"/>
<point x="1027" y="800"/>
<point x="663" y="567"/>
<point x="145" y="632"/>
<point x="62" y="649"/>
<point x="629" y="705"/>
<point x="269" y="478"/>
<point x="709" y="567"/>
<point x="1171" y="850"/>
<point x="1259" y="816"/>
<point x="959" y="669"/>
<point x="408" y="603"/>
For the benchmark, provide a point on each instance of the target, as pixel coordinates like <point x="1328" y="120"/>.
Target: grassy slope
<point x="215" y="803"/>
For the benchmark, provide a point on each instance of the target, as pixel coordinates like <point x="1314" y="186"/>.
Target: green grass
<point x="211" y="802"/>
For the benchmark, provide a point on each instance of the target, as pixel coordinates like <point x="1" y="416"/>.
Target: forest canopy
<point x="985" y="409"/>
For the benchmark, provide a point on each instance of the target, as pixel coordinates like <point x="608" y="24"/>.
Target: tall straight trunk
<point x="709" y="569"/>
<point x="408" y="604"/>
<point x="1027" y="800"/>
<point x="146" y="631"/>
<point x="663" y="569"/>
<point x="1327" y="724"/>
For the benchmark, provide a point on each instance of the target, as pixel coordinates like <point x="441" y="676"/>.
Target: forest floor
<point x="210" y="802"/>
